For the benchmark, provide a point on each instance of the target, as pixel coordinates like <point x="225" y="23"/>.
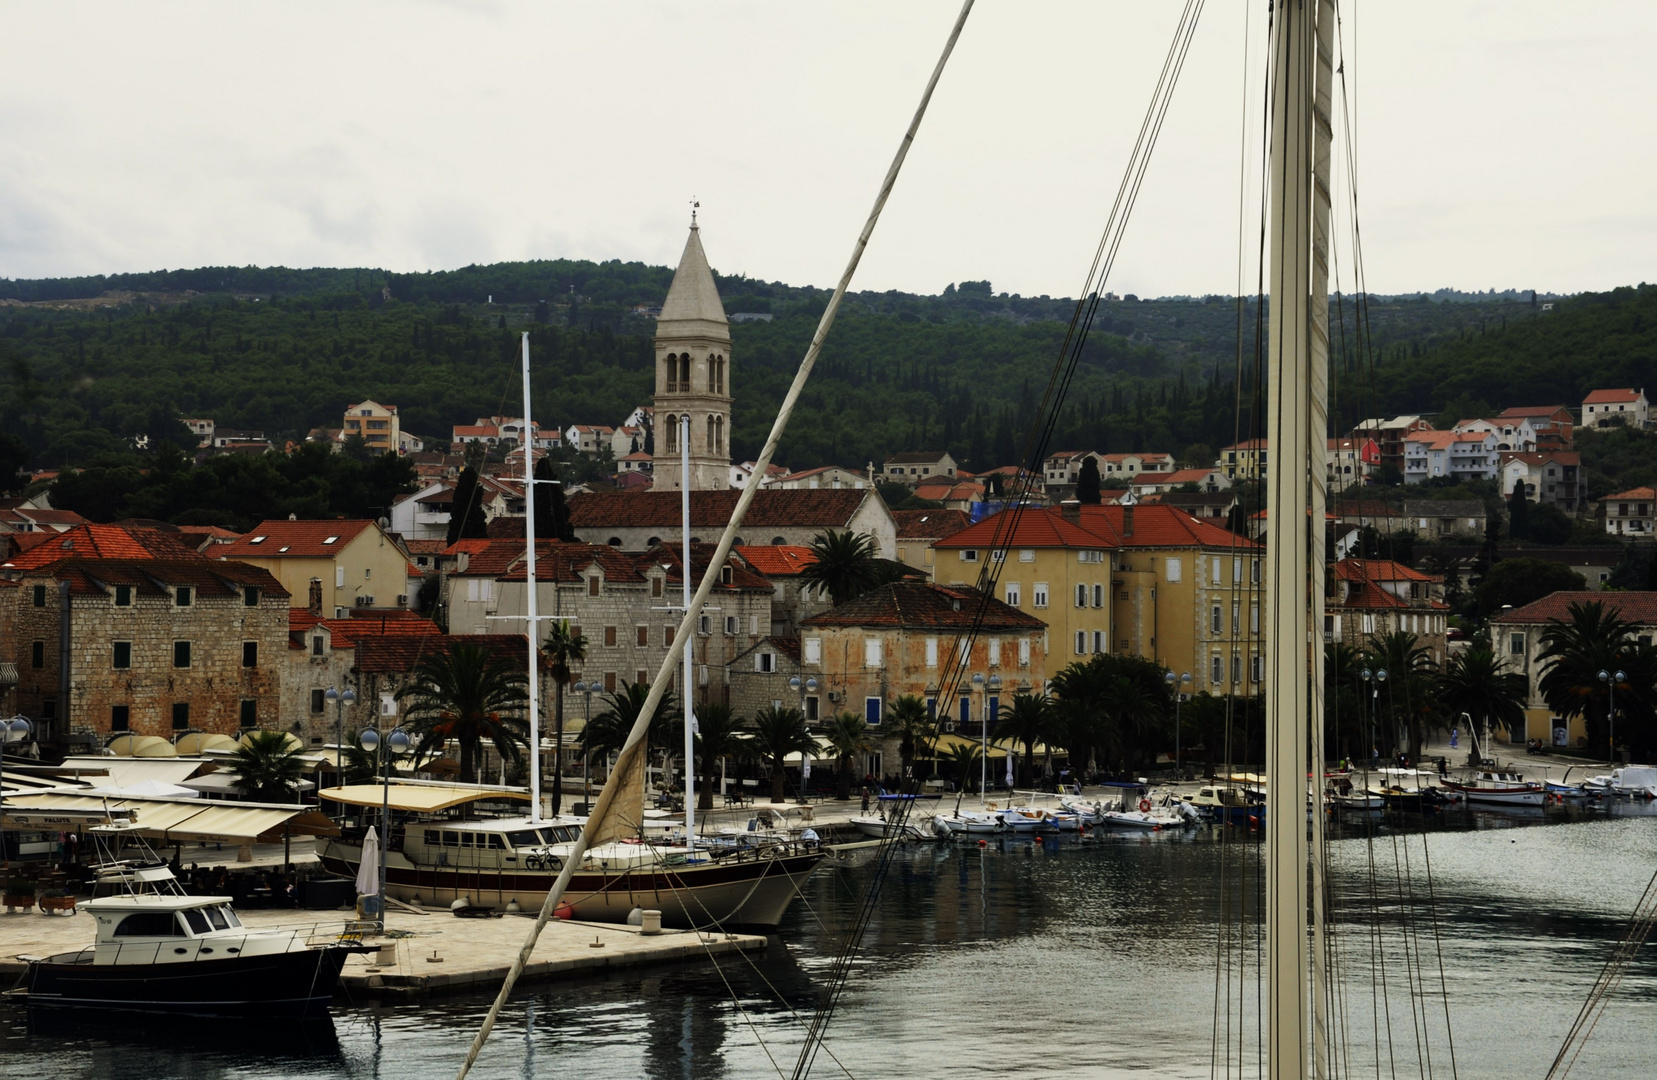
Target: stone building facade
<point x="693" y="378"/>
<point x="154" y="646"/>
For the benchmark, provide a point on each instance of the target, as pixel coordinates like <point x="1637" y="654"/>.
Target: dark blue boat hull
<point x="293" y="984"/>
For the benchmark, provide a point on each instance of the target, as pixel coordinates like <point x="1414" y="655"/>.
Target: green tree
<point x="1517" y="582"/>
<point x="607" y="732"/>
<point x="1518" y="512"/>
<point x="1087" y="482"/>
<point x="776" y="733"/>
<point x="552" y="513"/>
<point x="1476" y="684"/>
<point x="1593" y="638"/>
<point x="268" y="766"/>
<point x="466" y="517"/>
<point x="964" y="760"/>
<point x="848" y="733"/>
<point x="469" y="693"/>
<point x="563" y="648"/>
<point x="1407" y="694"/>
<point x="847" y="565"/>
<point x="1027" y="722"/>
<point x="908" y="721"/>
<point x="720" y="735"/>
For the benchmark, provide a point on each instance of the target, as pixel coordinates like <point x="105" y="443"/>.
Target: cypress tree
<point x="1518" y="512"/>
<point x="1087" y="483"/>
<point x="466" y="519"/>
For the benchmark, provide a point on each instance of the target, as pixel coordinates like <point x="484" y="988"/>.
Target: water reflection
<point x="1026" y="959"/>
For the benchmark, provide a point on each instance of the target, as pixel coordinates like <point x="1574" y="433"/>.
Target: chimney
<point x="1127" y="520"/>
<point x="314" y="600"/>
<point x="1071" y="509"/>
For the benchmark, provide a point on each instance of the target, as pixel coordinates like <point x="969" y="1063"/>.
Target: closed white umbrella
<point x="1009" y="770"/>
<point x="368" y="872"/>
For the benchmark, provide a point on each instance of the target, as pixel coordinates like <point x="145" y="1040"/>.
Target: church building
<point x="693" y="348"/>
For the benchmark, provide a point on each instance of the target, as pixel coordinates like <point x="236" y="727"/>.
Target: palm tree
<point x="1344" y="721"/>
<point x="965" y="758"/>
<point x="1592" y="639"/>
<point x="1476" y="683"/>
<point x="776" y="733"/>
<point x="1131" y="711"/>
<point x="907" y="720"/>
<point x="562" y="648"/>
<point x="847" y="565"/>
<point x="719" y="734"/>
<point x="1408" y="689"/>
<point x="469" y="693"/>
<point x="608" y="731"/>
<point x="848" y="733"/>
<point x="267" y="766"/>
<point x="1028" y="721"/>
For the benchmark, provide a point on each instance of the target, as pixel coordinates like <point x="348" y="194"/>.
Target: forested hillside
<point x="87" y="364"/>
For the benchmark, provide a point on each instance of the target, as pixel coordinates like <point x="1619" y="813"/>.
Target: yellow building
<point x="1244" y="461"/>
<point x="329" y="566"/>
<point x="377" y="424"/>
<point x="1149" y="581"/>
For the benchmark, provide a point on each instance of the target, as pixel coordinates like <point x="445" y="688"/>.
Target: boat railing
<point x="152" y="952"/>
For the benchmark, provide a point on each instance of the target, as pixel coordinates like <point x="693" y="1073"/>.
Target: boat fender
<point x="1144" y="806"/>
<point x="460" y="905"/>
<point x="563" y="911"/>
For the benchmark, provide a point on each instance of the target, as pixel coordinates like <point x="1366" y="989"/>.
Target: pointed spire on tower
<point x="693" y="298"/>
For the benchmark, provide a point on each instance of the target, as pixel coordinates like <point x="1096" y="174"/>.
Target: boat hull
<point x="750" y="888"/>
<point x="288" y="984"/>
<point x="1501" y="796"/>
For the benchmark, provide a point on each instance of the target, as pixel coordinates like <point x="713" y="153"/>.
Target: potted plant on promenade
<point x="57" y="901"/>
<point x="19" y="893"/>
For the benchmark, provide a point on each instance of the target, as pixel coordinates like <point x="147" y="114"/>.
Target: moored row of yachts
<point x="1239" y="799"/>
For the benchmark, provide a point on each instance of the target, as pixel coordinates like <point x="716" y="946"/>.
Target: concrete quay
<point x="435" y="953"/>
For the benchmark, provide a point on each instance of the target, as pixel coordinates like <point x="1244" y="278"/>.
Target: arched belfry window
<point x="711" y="446"/>
<point x="713" y="368"/>
<point x="719" y="434"/>
<point x="672" y="434"/>
<point x="672" y="373"/>
<point x="719" y="384"/>
<point x="684" y="372"/>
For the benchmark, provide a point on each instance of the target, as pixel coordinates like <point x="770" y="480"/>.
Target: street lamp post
<point x="14" y="730"/>
<point x="809" y="685"/>
<point x="1183" y="679"/>
<point x="1374" y="679"/>
<point x="396" y="742"/>
<point x="992" y="688"/>
<point x="586" y="692"/>
<point x="984" y="746"/>
<point x="340" y="700"/>
<point x="1611" y="679"/>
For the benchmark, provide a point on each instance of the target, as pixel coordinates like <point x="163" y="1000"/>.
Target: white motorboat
<point x="1134" y="808"/>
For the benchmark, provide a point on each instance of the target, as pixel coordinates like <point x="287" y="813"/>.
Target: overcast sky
<point x="1499" y="144"/>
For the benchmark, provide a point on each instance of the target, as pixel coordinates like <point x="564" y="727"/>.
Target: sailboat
<point x="613" y="867"/>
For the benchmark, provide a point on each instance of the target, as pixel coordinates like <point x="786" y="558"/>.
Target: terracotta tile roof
<point x="208" y="532"/>
<point x="808" y="508"/>
<point x="49" y="517"/>
<point x="917" y="606"/>
<point x="777" y="560"/>
<point x="348" y="633"/>
<point x="1029" y="528"/>
<point x="1524" y="412"/>
<point x="929" y="524"/>
<point x="1183" y="476"/>
<point x="1645" y="493"/>
<point x="395" y="654"/>
<point x="1634" y="607"/>
<point x="554" y="561"/>
<point x="917" y="457"/>
<point x="1367" y="508"/>
<point x="152" y="576"/>
<point x="95" y="542"/>
<point x="668" y="556"/>
<point x="1537" y="457"/>
<point x="1379" y="570"/>
<point x="1367" y="594"/>
<point x="426" y="547"/>
<point x="1159" y="526"/>
<point x="1602" y="397"/>
<point x="470" y="545"/>
<point x="949" y="490"/>
<point x="279" y="539"/>
<point x="1248" y="444"/>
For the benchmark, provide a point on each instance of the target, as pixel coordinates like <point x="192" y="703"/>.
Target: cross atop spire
<point x="694" y="204"/>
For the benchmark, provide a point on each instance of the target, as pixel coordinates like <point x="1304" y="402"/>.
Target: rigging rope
<point x="629" y="757"/>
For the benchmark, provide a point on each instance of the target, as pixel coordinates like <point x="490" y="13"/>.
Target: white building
<point x="1605" y="407"/>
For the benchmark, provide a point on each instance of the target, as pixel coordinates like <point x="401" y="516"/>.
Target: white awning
<point x="188" y="819"/>
<point x="420" y="799"/>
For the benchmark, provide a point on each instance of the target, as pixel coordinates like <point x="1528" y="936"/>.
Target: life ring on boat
<point x="1144" y="806"/>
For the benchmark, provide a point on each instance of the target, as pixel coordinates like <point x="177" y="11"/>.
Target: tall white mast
<point x="533" y="629"/>
<point x="690" y="719"/>
<point x="1291" y="636"/>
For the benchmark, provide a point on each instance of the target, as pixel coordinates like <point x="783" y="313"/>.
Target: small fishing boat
<point x="1499" y="788"/>
<point x="895" y="819"/>
<point x="1410" y="790"/>
<point x="159" y="950"/>
<point x="1229" y="803"/>
<point x="1134" y="808"/>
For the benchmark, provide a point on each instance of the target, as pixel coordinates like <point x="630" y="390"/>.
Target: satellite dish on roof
<point x="292" y="516"/>
<point x="385" y="523"/>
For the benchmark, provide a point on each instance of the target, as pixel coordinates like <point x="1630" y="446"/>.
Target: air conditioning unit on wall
<point x="834" y="695"/>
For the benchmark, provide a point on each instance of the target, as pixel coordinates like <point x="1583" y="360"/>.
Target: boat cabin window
<point x="496" y="843"/>
<point x="524" y="838"/>
<point x="451" y="839"/>
<point x="230" y="917"/>
<point x="216" y="915"/>
<point x="197" y="921"/>
<point x="149" y="924"/>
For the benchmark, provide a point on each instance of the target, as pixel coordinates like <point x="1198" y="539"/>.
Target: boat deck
<point x="471" y="954"/>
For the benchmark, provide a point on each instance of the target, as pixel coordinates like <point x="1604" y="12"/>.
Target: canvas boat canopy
<point x="418" y="798"/>
<point x="190" y="819"/>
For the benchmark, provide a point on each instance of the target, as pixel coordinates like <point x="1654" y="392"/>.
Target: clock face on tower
<point x="693" y="380"/>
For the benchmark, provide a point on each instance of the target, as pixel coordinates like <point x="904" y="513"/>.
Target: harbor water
<point x="1018" y="959"/>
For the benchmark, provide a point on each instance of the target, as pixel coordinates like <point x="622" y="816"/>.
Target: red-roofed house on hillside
<point x="1631" y="513"/>
<point x="639" y="520"/>
<point x="955" y="495"/>
<point x="1605" y="408"/>
<point x="379" y="426"/>
<point x="1207" y="480"/>
<point x="331" y="566"/>
<point x="1555" y="477"/>
<point x="1375" y="597"/>
<point x="917" y="466"/>
<point x="900" y="639"/>
<point x="109" y="637"/>
<point x="1351" y="462"/>
<point x="24" y="519"/>
<point x="918" y="530"/>
<point x="1516" y="639"/>
<point x="1552" y="426"/>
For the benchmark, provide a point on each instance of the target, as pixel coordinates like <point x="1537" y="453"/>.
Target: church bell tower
<point x="693" y="352"/>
